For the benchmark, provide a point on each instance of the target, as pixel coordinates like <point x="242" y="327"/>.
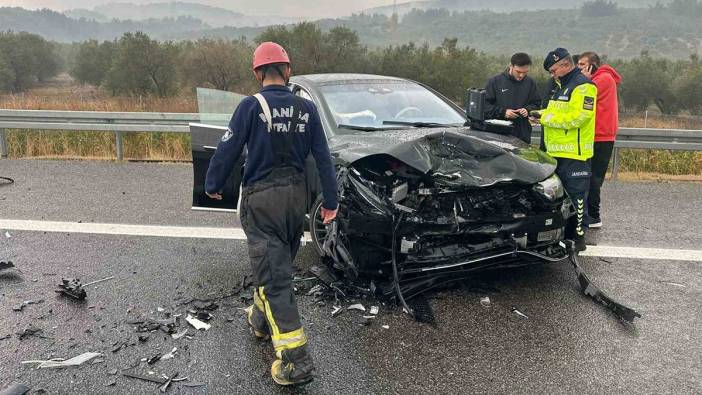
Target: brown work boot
<point x="293" y="367"/>
<point x="257" y="323"/>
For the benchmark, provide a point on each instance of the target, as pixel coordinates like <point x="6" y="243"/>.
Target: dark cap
<point x="554" y="56"/>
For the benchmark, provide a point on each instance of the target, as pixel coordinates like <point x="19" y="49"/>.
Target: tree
<point x="93" y="62"/>
<point x="598" y="8"/>
<point x="219" y="64"/>
<point x="143" y="66"/>
<point x="27" y="58"/>
<point x="689" y="90"/>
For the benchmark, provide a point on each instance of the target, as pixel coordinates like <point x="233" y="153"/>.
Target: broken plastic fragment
<point x="171" y="354"/>
<point x="178" y="335"/>
<point x="197" y="324"/>
<point x="75" y="361"/>
<point x="7" y="234"/>
<point x="356" y="306"/>
<point x="374" y="310"/>
<point x="386" y="326"/>
<point x="519" y="313"/>
<point x="485" y="301"/>
<point x="168" y="382"/>
<point x="336" y="311"/>
<point x="73" y="288"/>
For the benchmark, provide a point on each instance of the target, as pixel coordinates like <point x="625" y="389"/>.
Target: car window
<point x="216" y="107"/>
<point x="370" y="104"/>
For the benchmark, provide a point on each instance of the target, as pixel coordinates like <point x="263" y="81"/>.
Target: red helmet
<point x="269" y="53"/>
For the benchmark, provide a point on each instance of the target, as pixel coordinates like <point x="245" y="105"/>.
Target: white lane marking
<point x="127" y="230"/>
<point x="664" y="254"/>
<point x="238" y="234"/>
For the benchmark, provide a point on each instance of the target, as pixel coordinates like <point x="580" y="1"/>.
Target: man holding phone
<point x="512" y="94"/>
<point x="606" y="80"/>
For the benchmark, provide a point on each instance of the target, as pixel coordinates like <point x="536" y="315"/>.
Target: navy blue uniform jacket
<point x="248" y="128"/>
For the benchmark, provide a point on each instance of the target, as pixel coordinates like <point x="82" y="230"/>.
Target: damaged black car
<point x="425" y="201"/>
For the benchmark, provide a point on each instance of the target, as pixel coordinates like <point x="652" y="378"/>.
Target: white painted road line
<point x="238" y="234"/>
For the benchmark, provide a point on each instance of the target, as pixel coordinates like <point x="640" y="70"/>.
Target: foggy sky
<point x="297" y="8"/>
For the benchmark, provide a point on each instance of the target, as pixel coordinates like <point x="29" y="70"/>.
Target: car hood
<point x="453" y="156"/>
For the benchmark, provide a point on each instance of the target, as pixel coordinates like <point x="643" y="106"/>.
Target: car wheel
<point x="318" y="231"/>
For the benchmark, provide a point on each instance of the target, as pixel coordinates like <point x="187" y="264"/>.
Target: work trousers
<point x="600" y="163"/>
<point x="575" y="175"/>
<point x="272" y="216"/>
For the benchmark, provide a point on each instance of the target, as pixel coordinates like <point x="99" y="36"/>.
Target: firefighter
<point x="569" y="133"/>
<point x="279" y="130"/>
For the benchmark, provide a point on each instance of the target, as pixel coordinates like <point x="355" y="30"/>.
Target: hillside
<point x="212" y="16"/>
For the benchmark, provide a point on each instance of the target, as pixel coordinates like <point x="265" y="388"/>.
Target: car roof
<point x="340" y="78"/>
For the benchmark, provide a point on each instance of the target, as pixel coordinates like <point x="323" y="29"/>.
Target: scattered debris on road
<point x="374" y="310"/>
<point x="7" y="234"/>
<point x="673" y="284"/>
<point x="98" y="281"/>
<point x="386" y="326"/>
<point x="168" y="382"/>
<point x="15" y="389"/>
<point x="6" y="265"/>
<point x="58" y="363"/>
<point x="156" y="380"/>
<point x="197" y="324"/>
<point x="21" y="306"/>
<point x="485" y="301"/>
<point x="519" y="313"/>
<point x="356" y="306"/>
<point x="180" y="334"/>
<point x="73" y="288"/>
<point x="30" y="331"/>
<point x="336" y="310"/>
<point x="5" y="337"/>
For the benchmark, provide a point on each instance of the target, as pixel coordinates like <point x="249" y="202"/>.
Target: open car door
<point x="216" y="108"/>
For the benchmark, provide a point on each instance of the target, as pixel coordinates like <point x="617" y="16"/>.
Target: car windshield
<point x="382" y="105"/>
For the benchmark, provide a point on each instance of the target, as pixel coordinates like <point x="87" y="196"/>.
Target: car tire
<point x="318" y="231"/>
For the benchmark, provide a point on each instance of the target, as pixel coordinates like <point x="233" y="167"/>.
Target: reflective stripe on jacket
<point x="569" y="120"/>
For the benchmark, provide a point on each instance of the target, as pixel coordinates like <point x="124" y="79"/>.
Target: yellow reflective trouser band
<point x="580" y="213"/>
<point x="281" y="341"/>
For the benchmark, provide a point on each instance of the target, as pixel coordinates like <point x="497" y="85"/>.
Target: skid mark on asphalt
<point x="238" y="234"/>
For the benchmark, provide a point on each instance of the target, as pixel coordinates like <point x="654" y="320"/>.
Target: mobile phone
<point x="591" y="69"/>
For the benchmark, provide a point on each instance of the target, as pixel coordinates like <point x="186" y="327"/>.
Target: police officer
<point x="279" y="130"/>
<point x="569" y="132"/>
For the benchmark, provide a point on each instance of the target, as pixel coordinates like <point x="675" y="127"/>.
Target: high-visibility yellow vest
<point x="569" y="119"/>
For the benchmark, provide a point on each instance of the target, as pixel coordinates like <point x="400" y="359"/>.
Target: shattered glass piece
<point x="519" y="313"/>
<point x="197" y="324"/>
<point x="356" y="306"/>
<point x="75" y="361"/>
<point x="485" y="301"/>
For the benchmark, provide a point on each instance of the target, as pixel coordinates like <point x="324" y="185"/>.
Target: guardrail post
<point x="118" y="144"/>
<point x="615" y="163"/>
<point x="3" y="144"/>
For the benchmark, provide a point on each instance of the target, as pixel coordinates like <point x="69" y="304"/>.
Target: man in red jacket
<point x="606" y="80"/>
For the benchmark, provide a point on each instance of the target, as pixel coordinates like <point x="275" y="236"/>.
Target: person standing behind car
<point x="606" y="80"/>
<point x="569" y="133"/>
<point x="279" y="131"/>
<point x="511" y="95"/>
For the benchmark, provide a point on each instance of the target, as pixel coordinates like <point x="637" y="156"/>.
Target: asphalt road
<point x="567" y="344"/>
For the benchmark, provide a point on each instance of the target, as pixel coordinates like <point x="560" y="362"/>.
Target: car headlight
<point x="550" y="188"/>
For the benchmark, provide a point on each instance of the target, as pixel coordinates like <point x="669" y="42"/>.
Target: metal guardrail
<point x="125" y="122"/>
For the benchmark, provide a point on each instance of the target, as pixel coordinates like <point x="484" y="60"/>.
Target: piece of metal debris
<point x="180" y="334"/>
<point x="519" y="313"/>
<point x="73" y="288"/>
<point x="156" y="380"/>
<point x="374" y="310"/>
<point x="75" y="361"/>
<point x="197" y="324"/>
<point x="673" y="284"/>
<point x="15" y="389"/>
<point x="168" y="382"/>
<point x="98" y="281"/>
<point x="485" y="301"/>
<point x="356" y="306"/>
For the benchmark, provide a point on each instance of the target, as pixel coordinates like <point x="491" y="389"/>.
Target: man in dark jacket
<point x="511" y="95"/>
<point x="279" y="130"/>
